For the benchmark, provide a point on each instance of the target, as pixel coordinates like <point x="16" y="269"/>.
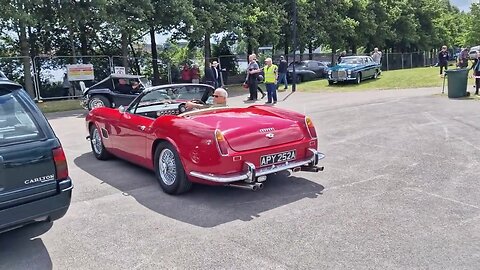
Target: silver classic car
<point x="354" y="68"/>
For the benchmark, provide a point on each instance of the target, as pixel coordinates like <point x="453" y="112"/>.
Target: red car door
<point x="131" y="137"/>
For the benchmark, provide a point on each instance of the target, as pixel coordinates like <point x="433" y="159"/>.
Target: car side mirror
<point x="121" y="109"/>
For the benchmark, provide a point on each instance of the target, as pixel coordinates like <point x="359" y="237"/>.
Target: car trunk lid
<point x="27" y="173"/>
<point x="253" y="129"/>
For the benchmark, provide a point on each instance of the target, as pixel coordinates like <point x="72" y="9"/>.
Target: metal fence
<point x="49" y="72"/>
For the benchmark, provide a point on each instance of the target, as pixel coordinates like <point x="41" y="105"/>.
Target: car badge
<point x="270" y="135"/>
<point x="265" y="130"/>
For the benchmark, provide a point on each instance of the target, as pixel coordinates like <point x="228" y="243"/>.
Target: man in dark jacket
<point x="282" y="73"/>
<point x="443" y="57"/>
<point x="216" y="74"/>
<point x="476" y="73"/>
<point x="209" y="77"/>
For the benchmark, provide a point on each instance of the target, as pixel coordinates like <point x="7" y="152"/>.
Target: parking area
<point x="400" y="190"/>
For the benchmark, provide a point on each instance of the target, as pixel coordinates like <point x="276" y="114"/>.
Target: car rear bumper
<point x="50" y="208"/>
<point x="251" y="173"/>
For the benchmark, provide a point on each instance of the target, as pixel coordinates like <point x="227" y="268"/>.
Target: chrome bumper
<point x="251" y="173"/>
<point x="84" y="102"/>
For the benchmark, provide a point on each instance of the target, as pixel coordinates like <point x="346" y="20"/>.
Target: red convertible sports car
<point x="235" y="147"/>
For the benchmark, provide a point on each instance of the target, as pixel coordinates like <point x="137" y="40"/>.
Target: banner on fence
<point x="80" y="72"/>
<point x="119" y="70"/>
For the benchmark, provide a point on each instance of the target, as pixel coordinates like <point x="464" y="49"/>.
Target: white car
<point x="472" y="54"/>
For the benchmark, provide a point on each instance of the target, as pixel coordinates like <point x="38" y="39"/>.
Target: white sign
<point x="80" y="72"/>
<point x="119" y="70"/>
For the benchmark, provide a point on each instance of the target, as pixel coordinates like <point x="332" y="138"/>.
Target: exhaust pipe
<point x="253" y="187"/>
<point x="259" y="185"/>
<point x="312" y="169"/>
<point x="296" y="169"/>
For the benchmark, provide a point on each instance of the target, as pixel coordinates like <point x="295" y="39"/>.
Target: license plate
<point x="277" y="158"/>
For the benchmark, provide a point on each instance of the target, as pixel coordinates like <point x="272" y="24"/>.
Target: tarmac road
<point x="400" y="190"/>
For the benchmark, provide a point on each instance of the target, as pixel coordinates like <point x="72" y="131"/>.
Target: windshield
<point x="352" y="61"/>
<point x="298" y="64"/>
<point x="171" y="94"/>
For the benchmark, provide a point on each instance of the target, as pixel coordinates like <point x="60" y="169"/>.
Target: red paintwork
<point x="194" y="139"/>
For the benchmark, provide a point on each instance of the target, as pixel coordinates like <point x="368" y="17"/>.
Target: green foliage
<point x="89" y="27"/>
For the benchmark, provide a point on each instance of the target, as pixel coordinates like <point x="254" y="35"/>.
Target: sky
<point x="463" y="4"/>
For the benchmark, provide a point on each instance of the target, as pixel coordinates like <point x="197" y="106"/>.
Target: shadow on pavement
<point x="23" y="249"/>
<point x="203" y="206"/>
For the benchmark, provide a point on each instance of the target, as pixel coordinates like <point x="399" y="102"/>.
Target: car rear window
<point x="17" y="123"/>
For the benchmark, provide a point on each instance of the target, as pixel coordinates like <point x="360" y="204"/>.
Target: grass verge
<point x="395" y="79"/>
<point x="59" y="105"/>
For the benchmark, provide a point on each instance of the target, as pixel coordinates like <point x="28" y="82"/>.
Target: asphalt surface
<point x="400" y="190"/>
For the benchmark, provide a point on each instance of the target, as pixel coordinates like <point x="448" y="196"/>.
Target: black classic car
<point x="34" y="182"/>
<point x="308" y="70"/>
<point x="113" y="91"/>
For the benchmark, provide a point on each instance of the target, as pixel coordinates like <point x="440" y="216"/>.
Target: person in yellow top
<point x="270" y="72"/>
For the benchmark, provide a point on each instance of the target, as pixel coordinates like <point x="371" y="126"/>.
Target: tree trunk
<point x="285" y="46"/>
<point x="310" y="51"/>
<point x="125" y="51"/>
<point x="136" y="63"/>
<point x="156" y="73"/>
<point x="333" y="55"/>
<point x="83" y="39"/>
<point x="72" y="44"/>
<point x="25" y="49"/>
<point x="207" y="48"/>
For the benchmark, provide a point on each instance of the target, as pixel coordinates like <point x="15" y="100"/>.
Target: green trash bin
<point x="457" y="82"/>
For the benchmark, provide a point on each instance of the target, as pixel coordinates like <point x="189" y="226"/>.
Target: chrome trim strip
<point x="65" y="182"/>
<point x="252" y="173"/>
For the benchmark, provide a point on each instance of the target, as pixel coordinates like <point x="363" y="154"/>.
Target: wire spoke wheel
<point x="167" y="167"/>
<point x="97" y="142"/>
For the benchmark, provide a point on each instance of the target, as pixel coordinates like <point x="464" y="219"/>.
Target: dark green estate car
<point x="34" y="181"/>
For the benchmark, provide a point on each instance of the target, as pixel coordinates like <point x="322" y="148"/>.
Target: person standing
<point x="209" y="76"/>
<point x="463" y="58"/>
<point x="252" y="77"/>
<point x="476" y="73"/>
<point x="195" y="74"/>
<point x="271" y="74"/>
<point x="216" y="74"/>
<point x="342" y="54"/>
<point x="377" y="56"/>
<point x="443" y="59"/>
<point x="186" y="74"/>
<point x="282" y="72"/>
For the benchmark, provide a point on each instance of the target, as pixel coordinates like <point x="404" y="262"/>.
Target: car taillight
<point x="60" y="160"/>
<point x="221" y="143"/>
<point x="310" y="127"/>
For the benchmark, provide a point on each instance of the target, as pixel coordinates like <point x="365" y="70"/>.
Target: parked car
<point x="34" y="180"/>
<point x="307" y="70"/>
<point x="354" y="68"/>
<point x="237" y="147"/>
<point x="110" y="92"/>
<point x="472" y="54"/>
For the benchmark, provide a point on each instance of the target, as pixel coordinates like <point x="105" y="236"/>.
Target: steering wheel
<point x="198" y="101"/>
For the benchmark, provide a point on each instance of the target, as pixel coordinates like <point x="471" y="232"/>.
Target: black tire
<point x="98" y="101"/>
<point x="98" y="150"/>
<point x="358" y="80"/>
<point x="330" y="82"/>
<point x="180" y="184"/>
<point x="299" y="79"/>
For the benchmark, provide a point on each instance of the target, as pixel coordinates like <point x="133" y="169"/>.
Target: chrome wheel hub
<point x="167" y="167"/>
<point x="96" y="103"/>
<point x="96" y="142"/>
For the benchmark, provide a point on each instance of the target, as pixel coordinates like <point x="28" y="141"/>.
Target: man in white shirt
<point x="377" y="56"/>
